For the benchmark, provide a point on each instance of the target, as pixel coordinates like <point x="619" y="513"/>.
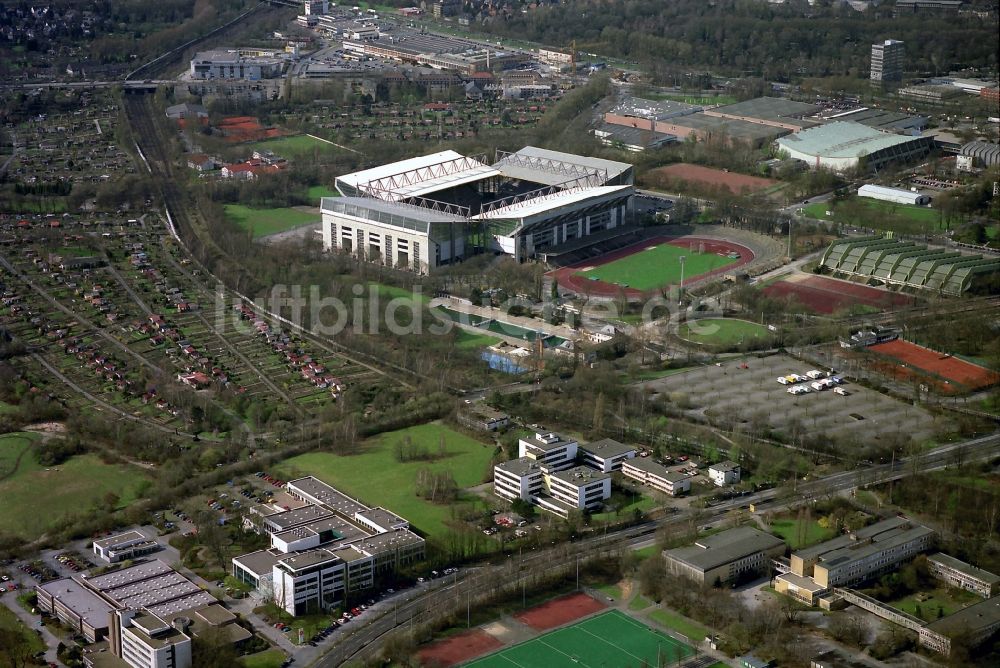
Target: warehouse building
<point x="843" y="145"/>
<point x="894" y="195"/>
<point x="912" y="265"/>
<point x="324" y="550"/>
<point x="853" y="558"/>
<point x="437" y="209"/>
<point x="977" y="155"/>
<point x="726" y="557"/>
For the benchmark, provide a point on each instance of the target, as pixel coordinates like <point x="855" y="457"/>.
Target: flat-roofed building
<point x="606" y="454"/>
<point x="961" y="575"/>
<point x="245" y="64"/>
<point x="971" y="625"/>
<point x="76" y="606"/>
<point x="144" y="640"/>
<point x="549" y="449"/>
<point x="657" y="476"/>
<point x="481" y="417"/>
<point x="862" y="554"/>
<point x="518" y="479"/>
<point x="844" y="145"/>
<point x="724" y="473"/>
<point x="579" y="487"/>
<point x="127" y="545"/>
<point x="725" y="557"/>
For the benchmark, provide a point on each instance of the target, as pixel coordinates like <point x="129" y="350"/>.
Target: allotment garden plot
<point x="729" y="392"/>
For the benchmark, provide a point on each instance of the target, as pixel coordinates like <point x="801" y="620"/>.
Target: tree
<point x="15" y="648"/>
<point x="211" y="648"/>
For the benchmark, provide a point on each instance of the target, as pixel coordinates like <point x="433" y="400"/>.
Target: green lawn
<point x="647" y="552"/>
<point x="639" y="603"/>
<point x="263" y="222"/>
<point x="10" y="622"/>
<point x="656" y="266"/>
<point x="464" y="339"/>
<point x="394" y="292"/>
<point x="694" y="631"/>
<point x="318" y="192"/>
<point x="865" y="212"/>
<point x="289" y="147"/>
<point x="270" y="658"/>
<point x="614" y="591"/>
<point x="70" y="487"/>
<point x="12" y="447"/>
<point x="723" y="331"/>
<point x="375" y="477"/>
<point x="948" y="599"/>
<point x="654" y="374"/>
<point x="788" y="530"/>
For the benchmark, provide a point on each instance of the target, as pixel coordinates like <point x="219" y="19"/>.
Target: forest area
<point x="735" y="37"/>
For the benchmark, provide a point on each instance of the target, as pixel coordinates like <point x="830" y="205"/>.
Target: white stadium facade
<point x="437" y="209"/>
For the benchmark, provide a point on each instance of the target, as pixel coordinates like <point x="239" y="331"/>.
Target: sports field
<point x="873" y="213"/>
<point x="829" y="295"/>
<point x="937" y="364"/>
<point x="289" y="147"/>
<point x="376" y="477"/>
<point x="723" y="331"/>
<point x="263" y="222"/>
<point x="656" y="263"/>
<point x="610" y="639"/>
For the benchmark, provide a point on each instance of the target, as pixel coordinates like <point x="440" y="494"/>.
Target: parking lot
<point x="728" y="392"/>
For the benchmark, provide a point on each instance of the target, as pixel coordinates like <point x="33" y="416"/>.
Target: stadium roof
<point x="539" y="166"/>
<point x="547" y="203"/>
<point x="417" y="177"/>
<point x="841" y="139"/>
<point x="397" y="214"/>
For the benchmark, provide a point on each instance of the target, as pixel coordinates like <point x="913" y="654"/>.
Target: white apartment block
<point x="549" y="449"/>
<point x="657" y="476"/>
<point x="724" y="473"/>
<point x="520" y="478"/>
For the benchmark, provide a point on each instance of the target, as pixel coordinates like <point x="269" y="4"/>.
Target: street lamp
<point x="680" y="291"/>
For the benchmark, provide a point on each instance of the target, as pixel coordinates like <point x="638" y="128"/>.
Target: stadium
<point x="434" y="210"/>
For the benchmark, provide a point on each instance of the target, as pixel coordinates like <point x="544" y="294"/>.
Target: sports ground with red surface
<point x="828" y="295"/>
<point x="460" y="648"/>
<point x="246" y="128"/>
<point x="940" y="365"/>
<point x="650" y="268"/>
<point x="706" y="176"/>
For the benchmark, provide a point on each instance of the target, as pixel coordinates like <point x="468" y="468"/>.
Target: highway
<point x="364" y="639"/>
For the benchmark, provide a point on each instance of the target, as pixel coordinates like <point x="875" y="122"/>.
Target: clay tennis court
<point x="570" y="277"/>
<point x="828" y="295"/>
<point x="706" y="176"/>
<point x="238" y="129"/>
<point x="458" y="649"/>
<point x="559" y="611"/>
<point x="938" y="364"/>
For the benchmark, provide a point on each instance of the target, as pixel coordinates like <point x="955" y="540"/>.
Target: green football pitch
<point x="610" y="639"/>
<point x="655" y="266"/>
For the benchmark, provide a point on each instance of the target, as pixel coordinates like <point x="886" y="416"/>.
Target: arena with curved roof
<point x="433" y="210"/>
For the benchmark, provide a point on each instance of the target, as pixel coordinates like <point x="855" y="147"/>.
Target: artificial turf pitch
<point x="658" y="265"/>
<point x="609" y="639"/>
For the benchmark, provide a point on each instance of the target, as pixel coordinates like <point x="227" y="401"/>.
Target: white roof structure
<point x="416" y="177"/>
<point x="541" y="165"/>
<point x="546" y="203"/>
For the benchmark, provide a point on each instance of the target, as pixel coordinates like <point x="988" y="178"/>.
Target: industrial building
<point x="843" y="145"/>
<point x="438" y="209"/>
<point x="725" y="557"/>
<point x="325" y="549"/>
<point x="853" y="558"/>
<point x="657" y="476"/>
<point x="887" y="62"/>
<point x="437" y="51"/>
<point x="978" y="154"/>
<point x="245" y="64"/>
<point x="911" y="265"/>
<point x="965" y="576"/>
<point x="894" y="195"/>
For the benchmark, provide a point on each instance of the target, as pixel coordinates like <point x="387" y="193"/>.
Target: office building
<point x="725" y="557"/>
<point x="243" y="64"/>
<point x="657" y="476"/>
<point x="127" y="545"/>
<point x="606" y="454"/>
<point x="961" y="575"/>
<point x="724" y="473"/>
<point x="887" y="62"/>
<point x="971" y="626"/>
<point x="549" y="449"/>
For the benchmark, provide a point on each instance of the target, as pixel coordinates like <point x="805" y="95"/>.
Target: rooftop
<point x="383" y="518"/>
<point x="397" y="214"/>
<point x="841" y="139"/>
<point x="962" y="567"/>
<point x="771" y="109"/>
<point x="658" y="109"/>
<point x="154" y="632"/>
<point x="297" y="516"/>
<point x="817" y="551"/>
<point x="424" y="174"/>
<point x="547" y="440"/>
<point x="327" y="495"/>
<point x="738" y="129"/>
<point x="659" y="470"/>
<point x="518" y="165"/>
<point x="607" y="448"/>
<point x="302" y="560"/>
<point x="546" y="203"/>
<point x="982" y="615"/>
<point x="118" y="539"/>
<point x="579" y="476"/>
<point x="724" y="466"/>
<point x="260" y="562"/>
<point x="92" y="608"/>
<point x="520" y="467"/>
<point x="722" y="548"/>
